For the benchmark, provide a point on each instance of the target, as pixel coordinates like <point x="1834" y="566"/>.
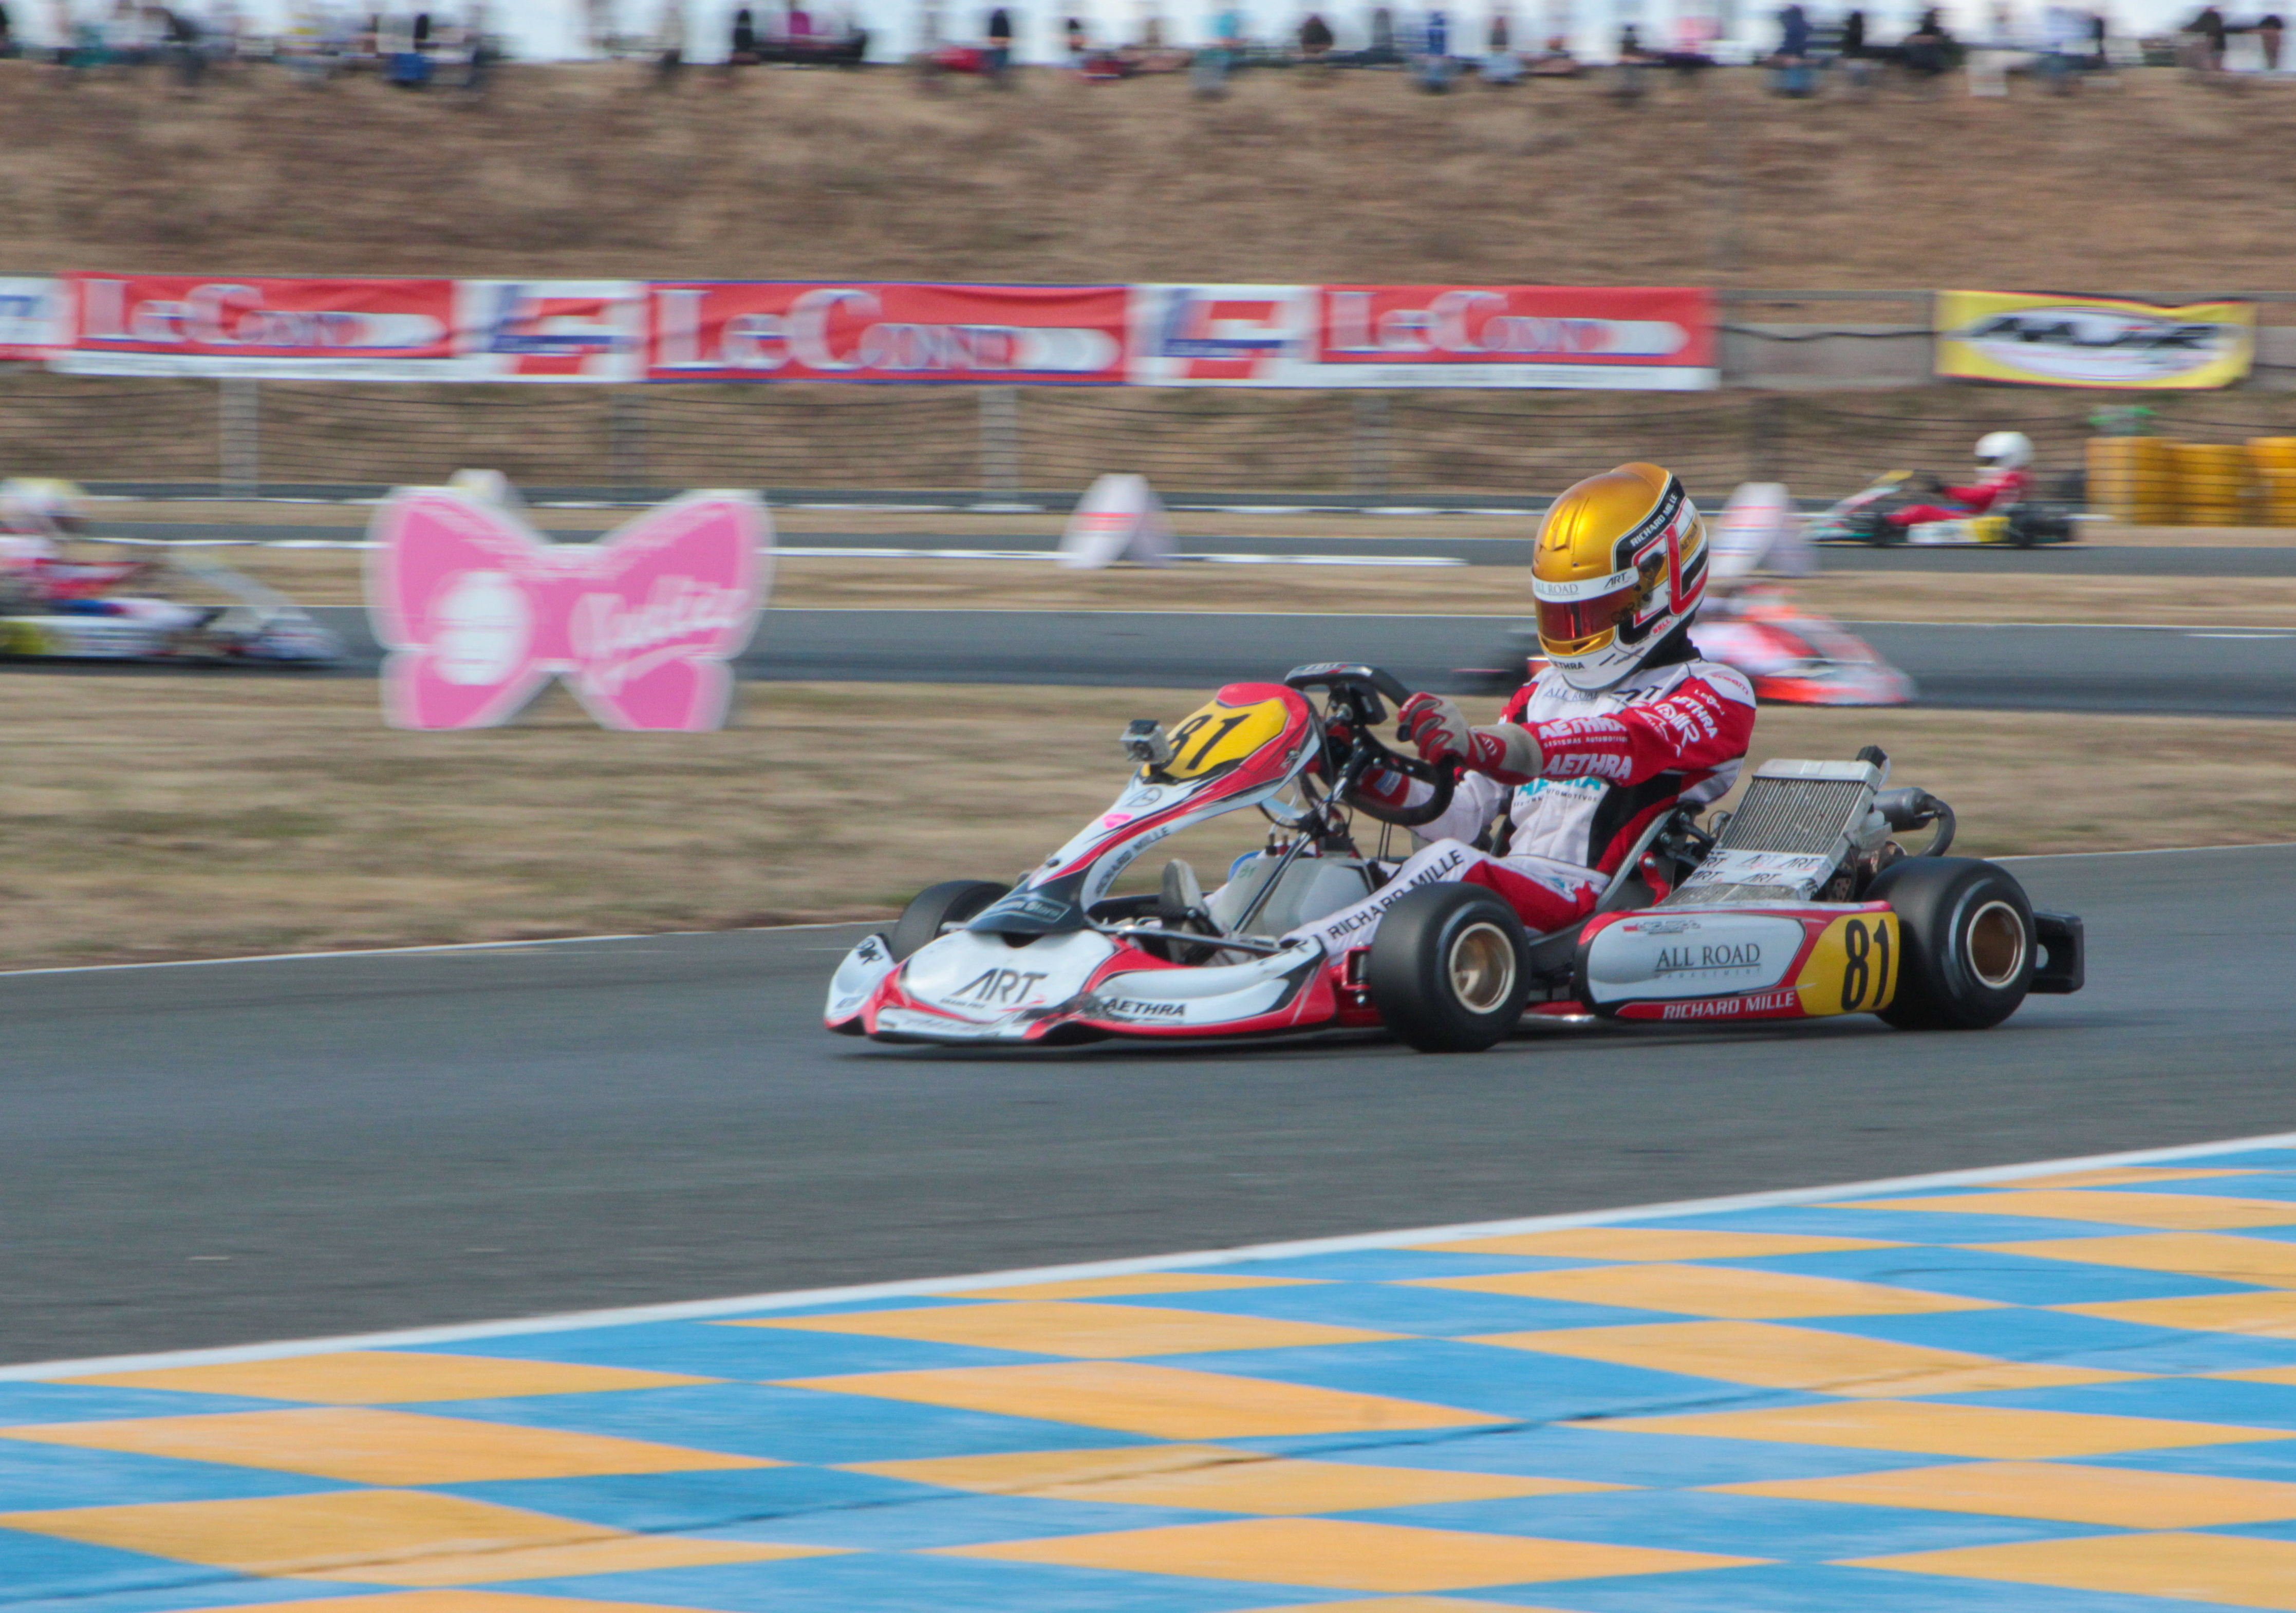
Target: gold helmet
<point x="1619" y="566"/>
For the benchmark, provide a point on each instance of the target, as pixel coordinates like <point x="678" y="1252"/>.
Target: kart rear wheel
<point x="1967" y="940"/>
<point x="1449" y="969"/>
<point x="952" y="901"/>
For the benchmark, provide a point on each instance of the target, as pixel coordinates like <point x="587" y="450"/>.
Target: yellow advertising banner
<point x="2046" y="341"/>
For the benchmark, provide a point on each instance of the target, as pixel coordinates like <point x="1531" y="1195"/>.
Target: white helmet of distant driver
<point x="43" y="506"/>
<point x="2005" y="451"/>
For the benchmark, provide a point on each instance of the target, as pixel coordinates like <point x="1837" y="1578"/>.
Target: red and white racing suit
<point x="2001" y="488"/>
<point x="1611" y="761"/>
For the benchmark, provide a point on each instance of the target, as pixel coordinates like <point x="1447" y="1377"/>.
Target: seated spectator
<point x="1501" y="66"/>
<point x="1929" y="51"/>
<point x="1315" y="38"/>
<point x="1556" y="62"/>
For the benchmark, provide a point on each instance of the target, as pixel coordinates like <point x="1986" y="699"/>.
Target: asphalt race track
<point x="2231" y="672"/>
<point x="209" y="1154"/>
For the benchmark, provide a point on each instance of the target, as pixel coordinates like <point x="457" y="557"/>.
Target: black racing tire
<point x="1965" y="939"/>
<point x="1449" y="969"/>
<point x="951" y="902"/>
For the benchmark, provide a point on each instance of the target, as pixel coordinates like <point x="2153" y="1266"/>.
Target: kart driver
<point x="1625" y="722"/>
<point x="2001" y="481"/>
<point x="39" y="515"/>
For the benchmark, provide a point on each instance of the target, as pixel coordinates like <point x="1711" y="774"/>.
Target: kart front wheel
<point x="936" y="907"/>
<point x="1967" y="931"/>
<point x="1448" y="969"/>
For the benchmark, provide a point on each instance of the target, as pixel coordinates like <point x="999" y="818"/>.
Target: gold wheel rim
<point x="1996" y="944"/>
<point x="1482" y="967"/>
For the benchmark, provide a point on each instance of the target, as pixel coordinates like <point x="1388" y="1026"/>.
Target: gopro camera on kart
<point x="1146" y="742"/>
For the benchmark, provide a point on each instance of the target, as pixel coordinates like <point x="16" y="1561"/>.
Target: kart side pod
<point x="1784" y="962"/>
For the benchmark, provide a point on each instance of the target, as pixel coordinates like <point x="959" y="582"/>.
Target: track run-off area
<point x="2035" y="1389"/>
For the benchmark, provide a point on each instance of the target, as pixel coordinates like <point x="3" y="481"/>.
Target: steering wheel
<point x="1355" y="692"/>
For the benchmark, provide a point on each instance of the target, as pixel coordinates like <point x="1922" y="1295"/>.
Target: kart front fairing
<point x="1038" y="966"/>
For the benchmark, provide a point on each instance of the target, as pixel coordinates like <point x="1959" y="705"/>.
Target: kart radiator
<point x="1796" y="822"/>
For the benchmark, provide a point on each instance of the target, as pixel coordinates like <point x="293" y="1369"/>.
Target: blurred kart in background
<point x="1751" y="620"/>
<point x="172" y="608"/>
<point x="1799" y="905"/>
<point x="1863" y="517"/>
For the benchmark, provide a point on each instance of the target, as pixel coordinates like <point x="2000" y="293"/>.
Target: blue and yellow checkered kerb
<point x="2063" y="1392"/>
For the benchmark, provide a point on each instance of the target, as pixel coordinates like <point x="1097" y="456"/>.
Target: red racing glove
<point x="1507" y="752"/>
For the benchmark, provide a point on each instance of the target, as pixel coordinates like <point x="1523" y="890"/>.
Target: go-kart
<point x="181" y="608"/>
<point x="1862" y="517"/>
<point x="1799" y="905"/>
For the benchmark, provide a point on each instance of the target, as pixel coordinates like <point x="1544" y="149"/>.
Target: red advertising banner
<point x="1660" y="338"/>
<point x="878" y="331"/>
<point x="138" y="324"/>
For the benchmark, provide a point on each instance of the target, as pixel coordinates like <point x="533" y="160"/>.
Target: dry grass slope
<point x="2151" y="184"/>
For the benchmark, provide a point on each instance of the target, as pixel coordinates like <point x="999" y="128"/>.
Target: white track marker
<point x="706" y="1309"/>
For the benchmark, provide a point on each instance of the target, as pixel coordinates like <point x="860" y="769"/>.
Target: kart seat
<point x="1551" y="955"/>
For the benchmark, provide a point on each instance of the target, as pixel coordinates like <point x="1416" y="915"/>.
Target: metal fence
<point x="238" y="435"/>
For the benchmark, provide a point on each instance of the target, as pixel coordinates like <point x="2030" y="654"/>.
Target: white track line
<point x="703" y="1309"/>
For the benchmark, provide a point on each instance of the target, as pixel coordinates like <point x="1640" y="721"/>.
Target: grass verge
<point x="186" y="816"/>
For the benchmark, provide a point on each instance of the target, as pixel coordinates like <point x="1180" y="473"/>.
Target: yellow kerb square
<point x="1165" y="1402"/>
<point x="2113" y="1497"/>
<point x="368" y="1446"/>
<point x="2225" y="1568"/>
<point x="2185" y="1212"/>
<point x="1798" y="1358"/>
<point x="1650" y="1243"/>
<point x="1139" y="1282"/>
<point x="1947" y="1431"/>
<point x="2267" y="1262"/>
<point x="1710" y="1291"/>
<point x="1347" y="1556"/>
<point x="325" y="1533"/>
<point x="381" y="1377"/>
<point x="2271" y="1313"/>
<point x="1069" y="1328"/>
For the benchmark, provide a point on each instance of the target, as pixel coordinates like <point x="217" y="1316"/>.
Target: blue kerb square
<point x="2264" y="1184"/>
<point x="30" y="1403"/>
<point x="947" y="1518"/>
<point x="906" y="1582"/>
<point x="1392" y="1307"/>
<point x="42" y="1565"/>
<point x="1600" y="1455"/>
<point x="2056" y="1338"/>
<point x="2272" y="1459"/>
<point x="2258" y="1159"/>
<point x="1973" y="1273"/>
<point x="711" y="1349"/>
<point x="47" y="1477"/>
<point x="1891" y="1225"/>
<point x="653" y="1503"/>
<point x="1524" y="1384"/>
<point x="1734" y="1526"/>
<point x="815" y="1426"/>
<point x="1815" y="1588"/>
<point x="2229" y="1401"/>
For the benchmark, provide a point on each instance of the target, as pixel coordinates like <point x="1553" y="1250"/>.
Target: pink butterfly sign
<point x="479" y="611"/>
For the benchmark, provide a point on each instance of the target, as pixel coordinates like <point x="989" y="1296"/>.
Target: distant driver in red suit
<point x="2001" y="480"/>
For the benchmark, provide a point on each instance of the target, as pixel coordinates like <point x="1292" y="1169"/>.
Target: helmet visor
<point x="1571" y="627"/>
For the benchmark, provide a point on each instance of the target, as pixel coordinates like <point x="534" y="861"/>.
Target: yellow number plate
<point x="1215" y="734"/>
<point x="1853" y="969"/>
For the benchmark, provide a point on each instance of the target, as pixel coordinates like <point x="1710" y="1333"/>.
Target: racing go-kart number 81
<point x="1800" y="905"/>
